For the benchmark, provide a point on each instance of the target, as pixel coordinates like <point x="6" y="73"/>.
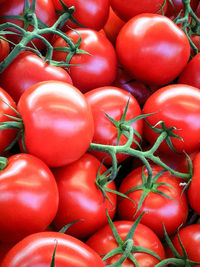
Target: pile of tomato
<point x="99" y="133"/>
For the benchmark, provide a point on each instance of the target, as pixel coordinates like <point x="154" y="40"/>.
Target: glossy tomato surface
<point x="93" y="70"/>
<point x="4" y="49"/>
<point x="80" y="198"/>
<point x="152" y="48"/>
<point x="177" y="105"/>
<point x="58" y="122"/>
<point x="29" y="197"/>
<point x="37" y="250"/>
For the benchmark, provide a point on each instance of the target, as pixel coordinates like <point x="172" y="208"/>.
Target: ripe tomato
<point x="34" y="70"/>
<point x="173" y="10"/>
<point x="91" y="14"/>
<point x="191" y="73"/>
<point x="103" y="242"/>
<point x="4" y="49"/>
<point x="190" y="238"/>
<point x="127" y="9"/>
<point x="178" y="106"/>
<point x="93" y="70"/>
<point x="153" y="49"/>
<point x="112" y="101"/>
<point x="37" y="250"/>
<point x="159" y="209"/>
<point x="44" y="11"/>
<point x="80" y="198"/>
<point x="193" y="190"/>
<point x="58" y="122"/>
<point x="29" y="197"/>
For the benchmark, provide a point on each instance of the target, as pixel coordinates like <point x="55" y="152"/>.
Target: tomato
<point x="113" y="26"/>
<point x="173" y="10"/>
<point x="128" y="9"/>
<point x="6" y="135"/>
<point x="178" y="106"/>
<point x="58" y="122"/>
<point x="103" y="242"/>
<point x="4" y="248"/>
<point x="44" y="11"/>
<point x="29" y="197"/>
<point x="191" y="73"/>
<point x="34" y="70"/>
<point x="159" y="209"/>
<point x="4" y="49"/>
<point x="93" y="70"/>
<point x="112" y="101"/>
<point x="193" y="190"/>
<point x="190" y="238"/>
<point x="80" y="198"/>
<point x="37" y="250"/>
<point x="153" y="49"/>
<point x="90" y="13"/>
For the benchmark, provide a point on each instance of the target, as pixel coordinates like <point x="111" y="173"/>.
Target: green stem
<point x="3" y="163"/>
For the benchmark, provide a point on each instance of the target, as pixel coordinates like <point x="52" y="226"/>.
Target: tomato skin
<point x="44" y="10"/>
<point x="54" y="133"/>
<point x="94" y="70"/>
<point x="127" y="9"/>
<point x="29" y="197"/>
<point x="191" y="73"/>
<point x="189" y="236"/>
<point x="91" y="14"/>
<point x="37" y="250"/>
<point x="103" y="242"/>
<point x="112" y="101"/>
<point x="4" y="49"/>
<point x="177" y="105"/>
<point x="173" y="10"/>
<point x="157" y="41"/>
<point x="158" y="208"/>
<point x="80" y="198"/>
<point x="34" y="70"/>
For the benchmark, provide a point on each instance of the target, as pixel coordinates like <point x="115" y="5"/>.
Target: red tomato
<point x="4" y="49"/>
<point x="29" y="197"/>
<point x="153" y="49"/>
<point x="178" y="106"/>
<point x="127" y="9"/>
<point x="34" y="70"/>
<point x="193" y="190"/>
<point x="4" y="248"/>
<point x="159" y="209"/>
<point x="103" y="242"/>
<point x="6" y="135"/>
<point x="37" y="250"/>
<point x="173" y="10"/>
<point x="191" y="73"/>
<point x="93" y="70"/>
<point x="190" y="238"/>
<point x="90" y="13"/>
<point x="44" y="11"/>
<point x="80" y="198"/>
<point x="113" y="26"/>
<point x="58" y="122"/>
<point x="112" y="101"/>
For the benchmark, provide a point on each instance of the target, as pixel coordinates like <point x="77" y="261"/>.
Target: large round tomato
<point x="127" y="9"/>
<point x="177" y="106"/>
<point x="29" y="197"/>
<point x="58" y="122"/>
<point x="103" y="242"/>
<point x="153" y="48"/>
<point x="190" y="239"/>
<point x="34" y="70"/>
<point x="37" y="250"/>
<point x="191" y="73"/>
<point x="80" y="198"/>
<point x="112" y="101"/>
<point x="158" y="209"/>
<point x="93" y="70"/>
<point x="90" y="13"/>
<point x="4" y="49"/>
<point x="44" y="10"/>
